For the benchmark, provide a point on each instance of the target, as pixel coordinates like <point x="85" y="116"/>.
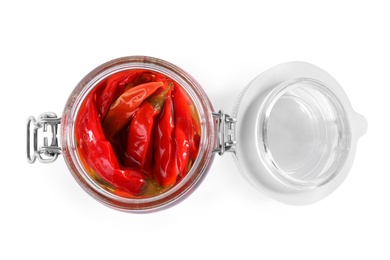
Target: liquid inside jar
<point x="137" y="133"/>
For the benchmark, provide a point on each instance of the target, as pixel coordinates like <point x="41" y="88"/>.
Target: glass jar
<point x="292" y="132"/>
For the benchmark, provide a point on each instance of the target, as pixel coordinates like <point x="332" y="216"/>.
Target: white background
<point x="47" y="47"/>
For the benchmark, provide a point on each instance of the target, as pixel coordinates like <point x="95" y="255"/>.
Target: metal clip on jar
<point x="293" y="133"/>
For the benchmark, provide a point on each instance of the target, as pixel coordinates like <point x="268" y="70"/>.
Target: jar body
<point x="207" y="143"/>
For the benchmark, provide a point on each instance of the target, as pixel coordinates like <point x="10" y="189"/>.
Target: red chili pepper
<point x="113" y="88"/>
<point x="124" y="107"/>
<point x="184" y="130"/>
<point x="149" y="76"/>
<point x="165" y="169"/>
<point x="141" y="131"/>
<point x="100" y="156"/>
<point x="196" y="128"/>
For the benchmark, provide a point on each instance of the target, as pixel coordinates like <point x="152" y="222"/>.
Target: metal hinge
<point x="45" y="153"/>
<point x="225" y="129"/>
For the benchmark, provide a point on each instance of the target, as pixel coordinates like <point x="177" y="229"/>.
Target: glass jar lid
<point x="296" y="133"/>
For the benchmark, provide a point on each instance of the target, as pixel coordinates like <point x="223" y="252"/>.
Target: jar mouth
<point x="199" y="167"/>
<point x="305" y="133"/>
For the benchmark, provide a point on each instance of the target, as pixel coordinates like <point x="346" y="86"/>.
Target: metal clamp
<point x="46" y="153"/>
<point x="225" y="129"/>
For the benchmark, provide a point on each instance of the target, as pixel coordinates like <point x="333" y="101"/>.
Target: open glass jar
<point x="292" y="132"/>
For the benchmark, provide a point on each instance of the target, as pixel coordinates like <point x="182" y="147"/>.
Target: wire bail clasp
<point x="45" y="153"/>
<point x="225" y="129"/>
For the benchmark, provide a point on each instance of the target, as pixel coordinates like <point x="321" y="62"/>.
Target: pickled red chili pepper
<point x="184" y="131"/>
<point x="196" y="128"/>
<point x="141" y="131"/>
<point x="100" y="156"/>
<point x="138" y="150"/>
<point x="113" y="88"/>
<point x="148" y="76"/>
<point x="165" y="169"/>
<point x="124" y="107"/>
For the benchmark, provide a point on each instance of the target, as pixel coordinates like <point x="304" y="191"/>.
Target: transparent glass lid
<point x="296" y="133"/>
<point x="305" y="133"/>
